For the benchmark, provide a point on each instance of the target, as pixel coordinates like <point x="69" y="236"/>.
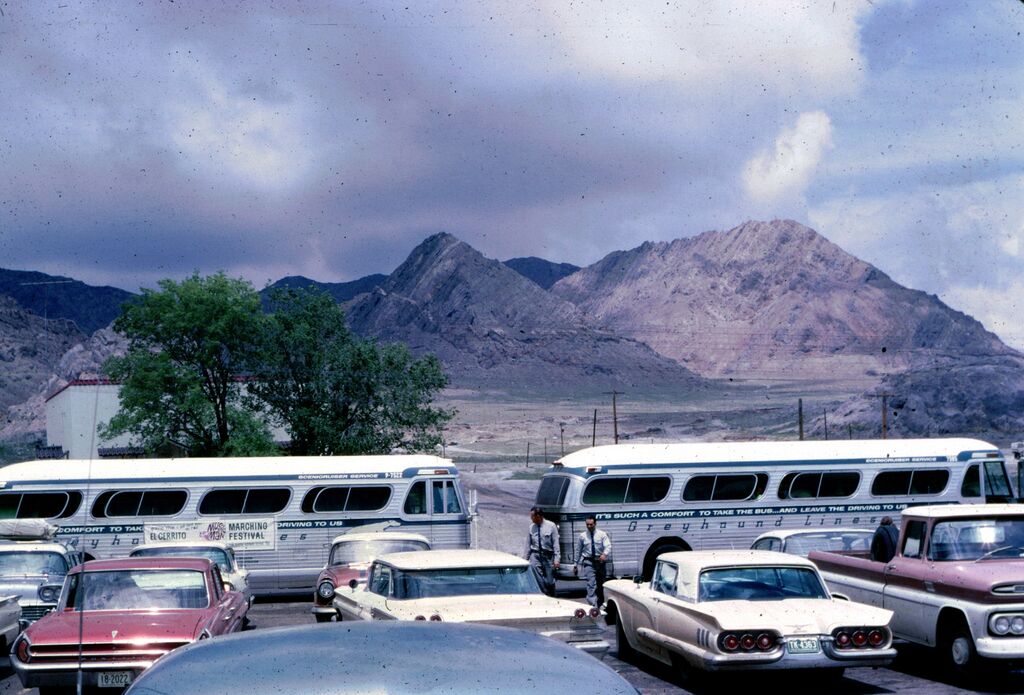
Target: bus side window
<point x="416" y="500"/>
<point x="971" y="486"/>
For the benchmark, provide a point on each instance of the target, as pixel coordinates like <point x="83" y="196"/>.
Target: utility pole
<point x="527" y="454"/>
<point x="561" y="435"/>
<point x="885" y="412"/>
<point x="545" y="451"/>
<point x="615" y="413"/>
<point x="593" y="432"/>
<point x="824" y="414"/>
<point x="800" y="416"/>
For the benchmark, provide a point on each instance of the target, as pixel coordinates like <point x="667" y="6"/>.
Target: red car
<point x="129" y="613"/>
<point x="351" y="556"/>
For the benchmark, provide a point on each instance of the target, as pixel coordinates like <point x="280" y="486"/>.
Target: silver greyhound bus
<point x="657" y="498"/>
<point x="278" y="513"/>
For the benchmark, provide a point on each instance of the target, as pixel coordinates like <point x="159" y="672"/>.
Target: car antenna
<point x="80" y="589"/>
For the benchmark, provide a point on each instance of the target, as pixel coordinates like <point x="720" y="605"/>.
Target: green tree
<point x="337" y="394"/>
<point x="188" y="344"/>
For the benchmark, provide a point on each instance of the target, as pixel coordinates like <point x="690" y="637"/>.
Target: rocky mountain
<point x="772" y="300"/>
<point x="82" y="360"/>
<point x="341" y="291"/>
<point x="494" y="328"/>
<point x="544" y="273"/>
<point x="30" y="346"/>
<point x="58" y="297"/>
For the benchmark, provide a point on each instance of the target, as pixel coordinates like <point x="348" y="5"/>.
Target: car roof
<point x="789" y="533"/>
<point x="945" y="511"/>
<point x="396" y="657"/>
<point x="380" y="536"/>
<point x="33" y="547"/>
<point x="135" y="563"/>
<point x="215" y="545"/>
<point x="456" y="559"/>
<point x="697" y="560"/>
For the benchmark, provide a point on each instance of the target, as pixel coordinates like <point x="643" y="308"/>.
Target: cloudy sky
<point x="147" y="140"/>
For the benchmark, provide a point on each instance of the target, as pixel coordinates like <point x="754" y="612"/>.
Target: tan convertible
<point x="743" y="610"/>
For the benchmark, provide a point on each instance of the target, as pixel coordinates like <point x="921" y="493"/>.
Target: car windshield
<point x="759" y="584"/>
<point x="217" y="555"/>
<point x="14" y="564"/>
<point x="346" y="552"/>
<point x="977" y="539"/>
<point x="465" y="582"/>
<point x="804" y="543"/>
<point x="107" y="590"/>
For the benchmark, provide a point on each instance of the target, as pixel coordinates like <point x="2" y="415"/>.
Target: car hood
<point x="27" y="587"/>
<point x="491" y="608"/>
<point x="793" y="616"/>
<point x="116" y="626"/>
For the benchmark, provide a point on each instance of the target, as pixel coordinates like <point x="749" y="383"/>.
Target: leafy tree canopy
<point x="338" y="394"/>
<point x="189" y="343"/>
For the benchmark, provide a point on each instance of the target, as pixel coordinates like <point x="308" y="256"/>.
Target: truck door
<point x="908" y="586"/>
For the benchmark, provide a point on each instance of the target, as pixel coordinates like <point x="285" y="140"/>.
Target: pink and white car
<point x="116" y="617"/>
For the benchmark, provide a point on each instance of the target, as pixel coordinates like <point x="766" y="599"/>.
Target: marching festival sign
<point x="240" y="534"/>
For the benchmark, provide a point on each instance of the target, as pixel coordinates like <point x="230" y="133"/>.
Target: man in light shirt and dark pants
<point x="542" y="550"/>
<point x="593" y="548"/>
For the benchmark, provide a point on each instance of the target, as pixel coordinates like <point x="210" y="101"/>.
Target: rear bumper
<point x="66" y="674"/>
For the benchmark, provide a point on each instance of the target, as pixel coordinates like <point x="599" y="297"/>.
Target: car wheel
<point x="958" y="647"/>
<point x="323" y="617"/>
<point x="626" y="651"/>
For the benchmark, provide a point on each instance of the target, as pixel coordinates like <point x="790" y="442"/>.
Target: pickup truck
<point x="956" y="582"/>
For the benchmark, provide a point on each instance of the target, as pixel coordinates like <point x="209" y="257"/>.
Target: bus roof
<point x="623" y="455"/>
<point x="311" y="468"/>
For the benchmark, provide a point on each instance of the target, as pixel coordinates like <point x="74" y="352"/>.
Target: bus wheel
<point x="654" y="553"/>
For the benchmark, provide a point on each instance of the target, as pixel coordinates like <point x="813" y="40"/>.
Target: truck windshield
<point x="13" y="564"/>
<point x="759" y="584"/>
<point x="977" y="539"/>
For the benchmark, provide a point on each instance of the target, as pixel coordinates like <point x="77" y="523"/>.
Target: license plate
<point x="803" y="645"/>
<point x="114" y="679"/>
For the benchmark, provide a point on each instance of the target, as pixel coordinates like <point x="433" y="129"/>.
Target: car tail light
<point x="747" y="642"/>
<point x="419" y="617"/>
<point x="765" y="641"/>
<point x="595" y="612"/>
<point x="580" y="613"/>
<point x="22" y="651"/>
<point x="842" y="639"/>
<point x="435" y="618"/>
<point x="730" y="642"/>
<point x="876" y="638"/>
<point x="860" y="638"/>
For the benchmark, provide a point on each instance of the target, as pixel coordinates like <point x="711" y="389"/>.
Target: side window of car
<point x="912" y="544"/>
<point x="664" y="581"/>
<point x="380" y="580"/>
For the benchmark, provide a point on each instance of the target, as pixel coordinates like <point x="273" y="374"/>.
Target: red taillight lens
<point x="765" y="641"/>
<point x="843" y="640"/>
<point x="22" y="651"/>
<point x="860" y="638"/>
<point x="580" y="613"/>
<point x="747" y="642"/>
<point x="419" y="617"/>
<point x="876" y="638"/>
<point x="731" y="643"/>
<point x="595" y="612"/>
<point x="435" y="618"/>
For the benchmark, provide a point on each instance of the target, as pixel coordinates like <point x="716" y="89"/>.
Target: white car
<point x="469" y="586"/>
<point x="802" y="541"/>
<point x="220" y="553"/>
<point x="745" y="610"/>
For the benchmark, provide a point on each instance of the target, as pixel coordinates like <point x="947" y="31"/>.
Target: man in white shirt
<point x="542" y="550"/>
<point x="593" y="549"/>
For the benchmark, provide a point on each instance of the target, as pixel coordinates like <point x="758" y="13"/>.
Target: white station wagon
<point x="745" y="610"/>
<point x="468" y="586"/>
